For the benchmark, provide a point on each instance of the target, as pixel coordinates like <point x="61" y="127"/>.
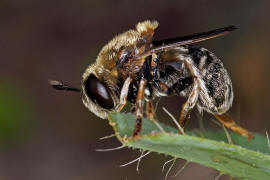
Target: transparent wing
<point x="163" y="45"/>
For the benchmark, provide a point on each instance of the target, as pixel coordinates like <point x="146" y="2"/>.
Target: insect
<point x="132" y="67"/>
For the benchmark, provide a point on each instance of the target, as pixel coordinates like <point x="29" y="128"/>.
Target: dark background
<point x="46" y="134"/>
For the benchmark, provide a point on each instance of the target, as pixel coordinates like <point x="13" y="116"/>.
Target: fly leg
<point x="150" y="110"/>
<point x="189" y="104"/>
<point x="229" y="123"/>
<point x="139" y="107"/>
<point x="194" y="94"/>
<point x="124" y="94"/>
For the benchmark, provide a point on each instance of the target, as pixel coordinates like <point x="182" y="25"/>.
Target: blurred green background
<point x="46" y="134"/>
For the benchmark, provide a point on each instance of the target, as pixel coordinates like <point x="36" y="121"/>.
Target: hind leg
<point x="229" y="123"/>
<point x="189" y="104"/>
<point x="194" y="94"/>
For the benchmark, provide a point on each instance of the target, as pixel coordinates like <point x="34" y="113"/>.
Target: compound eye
<point x="98" y="92"/>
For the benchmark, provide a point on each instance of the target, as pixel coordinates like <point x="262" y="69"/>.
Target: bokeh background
<point x="47" y="134"/>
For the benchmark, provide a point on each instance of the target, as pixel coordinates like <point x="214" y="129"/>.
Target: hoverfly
<point x="132" y="67"/>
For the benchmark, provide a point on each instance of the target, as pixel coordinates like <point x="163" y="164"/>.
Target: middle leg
<point x="150" y="110"/>
<point x="139" y="107"/>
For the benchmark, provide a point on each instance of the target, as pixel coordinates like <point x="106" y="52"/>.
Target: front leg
<point x="139" y="107"/>
<point x="124" y="94"/>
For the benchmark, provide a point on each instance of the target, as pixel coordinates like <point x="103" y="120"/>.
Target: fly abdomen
<point x="172" y="81"/>
<point x="215" y="80"/>
<point x="200" y="56"/>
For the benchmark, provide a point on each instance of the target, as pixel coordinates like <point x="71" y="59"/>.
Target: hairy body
<point x="132" y="67"/>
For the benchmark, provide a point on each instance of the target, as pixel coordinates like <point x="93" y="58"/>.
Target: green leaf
<point x="15" y="113"/>
<point x="243" y="159"/>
